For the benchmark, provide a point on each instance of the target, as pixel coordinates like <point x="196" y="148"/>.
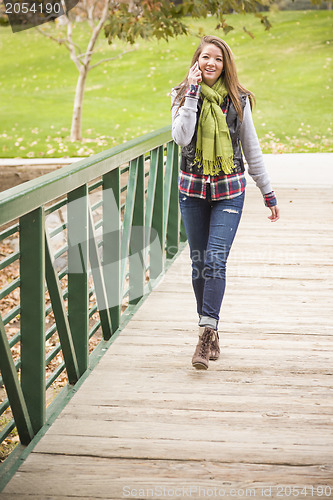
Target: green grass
<point x="288" y="68"/>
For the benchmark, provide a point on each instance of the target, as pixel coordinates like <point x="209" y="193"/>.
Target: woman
<point x="212" y="121"/>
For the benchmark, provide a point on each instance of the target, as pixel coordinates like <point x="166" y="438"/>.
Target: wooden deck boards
<point x="260" y="417"/>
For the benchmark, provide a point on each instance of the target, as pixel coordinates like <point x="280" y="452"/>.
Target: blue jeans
<point x="210" y="228"/>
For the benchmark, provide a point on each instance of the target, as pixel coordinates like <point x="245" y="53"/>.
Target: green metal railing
<point x="119" y="226"/>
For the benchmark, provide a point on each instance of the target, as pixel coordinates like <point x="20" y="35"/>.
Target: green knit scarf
<point x="214" y="151"/>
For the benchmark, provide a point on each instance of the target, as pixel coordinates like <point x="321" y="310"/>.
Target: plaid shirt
<point x="221" y="186"/>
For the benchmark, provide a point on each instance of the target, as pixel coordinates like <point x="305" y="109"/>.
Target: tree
<point x="132" y="19"/>
<point x="163" y="19"/>
<point x="96" y="13"/>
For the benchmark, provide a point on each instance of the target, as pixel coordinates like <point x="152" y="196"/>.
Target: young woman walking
<point x="212" y="121"/>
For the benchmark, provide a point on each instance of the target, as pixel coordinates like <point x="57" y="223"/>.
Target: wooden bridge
<point x="258" y="423"/>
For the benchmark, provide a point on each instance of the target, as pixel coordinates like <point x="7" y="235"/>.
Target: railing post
<point x="78" y="293"/>
<point x="98" y="276"/>
<point x="127" y="222"/>
<point x="60" y="315"/>
<point x="32" y="272"/>
<point x="111" y="243"/>
<point x="172" y="216"/>
<point x="157" y="250"/>
<point x="14" y="390"/>
<point x="137" y="241"/>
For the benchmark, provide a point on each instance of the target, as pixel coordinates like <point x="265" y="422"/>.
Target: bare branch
<point x="60" y="41"/>
<point x="110" y="58"/>
<point x="96" y="32"/>
<point x="94" y="5"/>
<point x="89" y="9"/>
<point x="72" y="45"/>
<point x="80" y="56"/>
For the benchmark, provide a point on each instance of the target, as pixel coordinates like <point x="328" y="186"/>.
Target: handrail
<point x="24" y="198"/>
<point x="120" y="227"/>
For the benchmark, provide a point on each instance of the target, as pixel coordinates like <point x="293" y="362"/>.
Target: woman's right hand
<point x="194" y="75"/>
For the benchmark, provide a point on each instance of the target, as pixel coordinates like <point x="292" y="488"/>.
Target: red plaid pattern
<point x="221" y="187"/>
<point x="270" y="199"/>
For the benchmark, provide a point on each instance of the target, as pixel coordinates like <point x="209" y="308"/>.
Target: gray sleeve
<point x="252" y="151"/>
<point x="183" y="122"/>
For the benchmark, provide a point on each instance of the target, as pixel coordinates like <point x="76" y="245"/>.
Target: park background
<point x="289" y="69"/>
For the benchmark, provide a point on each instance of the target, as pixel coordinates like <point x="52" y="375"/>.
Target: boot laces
<point x="205" y="341"/>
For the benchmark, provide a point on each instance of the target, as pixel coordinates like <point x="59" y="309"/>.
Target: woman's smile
<point x="211" y="64"/>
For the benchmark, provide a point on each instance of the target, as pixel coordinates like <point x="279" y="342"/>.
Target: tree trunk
<point x="83" y="70"/>
<point x="78" y="101"/>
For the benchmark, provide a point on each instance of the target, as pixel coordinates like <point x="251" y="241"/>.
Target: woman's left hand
<point x="275" y="214"/>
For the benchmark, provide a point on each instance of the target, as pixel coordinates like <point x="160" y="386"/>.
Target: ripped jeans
<point x="210" y="228"/>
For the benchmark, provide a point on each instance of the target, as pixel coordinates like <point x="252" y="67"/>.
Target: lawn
<point x="288" y="68"/>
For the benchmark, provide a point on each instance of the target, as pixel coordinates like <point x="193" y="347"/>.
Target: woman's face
<point x="211" y="63"/>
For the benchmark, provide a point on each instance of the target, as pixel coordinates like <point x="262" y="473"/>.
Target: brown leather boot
<point x="215" y="348"/>
<point x="215" y="345"/>
<point x="200" y="359"/>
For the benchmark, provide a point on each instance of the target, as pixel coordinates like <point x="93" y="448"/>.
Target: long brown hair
<point x="229" y="75"/>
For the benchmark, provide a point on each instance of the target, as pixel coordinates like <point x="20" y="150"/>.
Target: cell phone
<point x="196" y="65"/>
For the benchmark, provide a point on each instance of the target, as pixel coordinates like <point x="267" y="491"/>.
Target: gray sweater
<point x="183" y="126"/>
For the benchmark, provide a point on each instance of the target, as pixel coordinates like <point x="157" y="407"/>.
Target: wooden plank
<point x="242" y="430"/>
<point x="169" y="415"/>
<point x="252" y="450"/>
<point x="240" y="402"/>
<point x="235" y="326"/>
<point x="261" y="382"/>
<point x="229" y="341"/>
<point x="126" y="357"/>
<point x="108" y="477"/>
